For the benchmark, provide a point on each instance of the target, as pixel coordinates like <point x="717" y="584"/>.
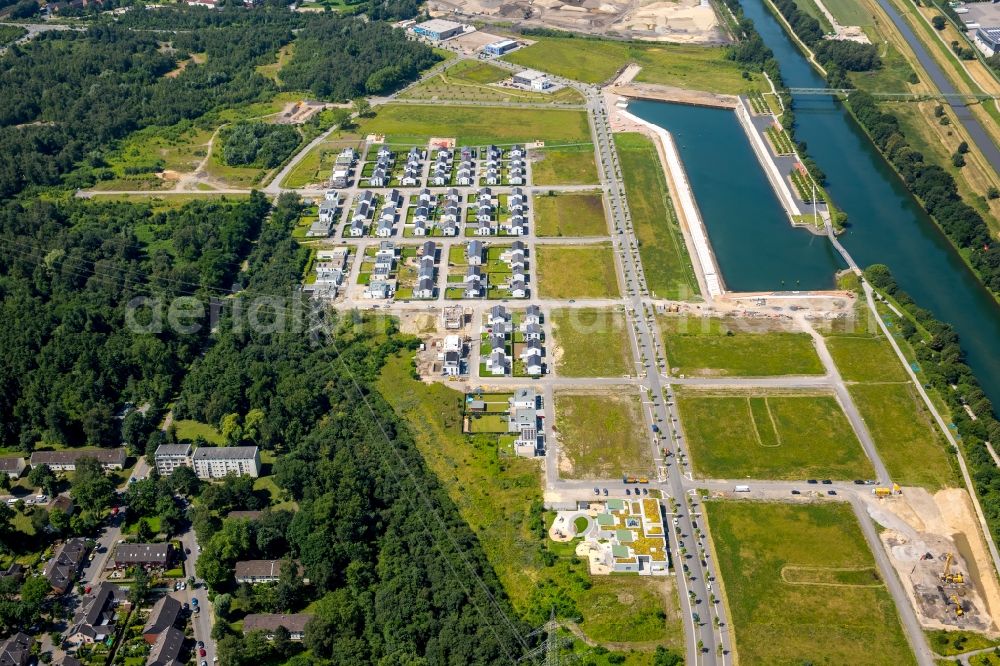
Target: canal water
<point x="886" y="224"/>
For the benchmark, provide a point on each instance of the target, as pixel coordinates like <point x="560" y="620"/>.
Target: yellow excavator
<point x="947" y="576"/>
<point x="958" y="605"/>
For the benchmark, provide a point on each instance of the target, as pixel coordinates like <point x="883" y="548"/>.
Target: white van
<point x="742" y="489"/>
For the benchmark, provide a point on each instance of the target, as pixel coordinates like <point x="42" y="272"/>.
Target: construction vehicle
<point x="947" y="576"/>
<point x="628" y="479"/>
<point x="959" y="611"/>
<point x="881" y="492"/>
<point x="643" y="479"/>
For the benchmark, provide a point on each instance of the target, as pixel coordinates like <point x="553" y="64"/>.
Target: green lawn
<point x="191" y="430"/>
<point x="570" y="214"/>
<point x="595" y="61"/>
<point x="789" y="624"/>
<point x="708" y="347"/>
<point x="500" y="498"/>
<point x="591" y="343"/>
<point x="661" y="246"/>
<point x="812" y="9"/>
<point x="469" y="80"/>
<point x="576" y="271"/>
<point x="849" y="12"/>
<point x="317" y="165"/>
<point x="567" y="165"/>
<point x="601" y="435"/>
<point x="477" y="125"/>
<point x="906" y="437"/>
<point x="865" y="358"/>
<point x="733" y="435"/>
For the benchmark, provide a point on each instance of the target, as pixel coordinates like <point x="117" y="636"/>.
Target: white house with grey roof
<point x="215" y="462"/>
<point x="169" y="457"/>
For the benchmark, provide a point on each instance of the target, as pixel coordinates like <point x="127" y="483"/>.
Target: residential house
<point x="484" y="213"/>
<point x="385" y="229"/>
<point x="63" y="503"/>
<point x="419" y="227"/>
<point x="497" y="363"/>
<point x="429" y="249"/>
<point x="474" y="253"/>
<point x="533" y="365"/>
<point x="518" y="246"/>
<point x="383" y="153"/>
<point x="15" y="571"/>
<point x="146" y="555"/>
<point x="453" y="196"/>
<point x="295" y="624"/>
<point x="493" y="153"/>
<point x="215" y="462"/>
<point x="244" y="515"/>
<point x="452" y="366"/>
<point x="379" y="177"/>
<point x="254" y="572"/>
<point x="515" y="259"/>
<point x="524" y="422"/>
<point x="516" y="152"/>
<point x="532" y="315"/>
<point x="357" y="228"/>
<point x="65" y="461"/>
<point x="531" y="348"/>
<point x="169" y="457"/>
<point x="13" y="467"/>
<point x="425" y="198"/>
<point x="167" y="649"/>
<point x="16" y="650"/>
<point x="498" y="315"/>
<point x="380" y="289"/>
<point x="61" y="570"/>
<point x="518" y="289"/>
<point x="492" y="176"/>
<point x="94" y="622"/>
<point x="394" y="198"/>
<point x="449" y="228"/>
<point x="426" y="264"/>
<point x="421" y="214"/>
<point x="532" y="331"/>
<point x="440" y="177"/>
<point x="164" y="615"/>
<point x="424" y="288"/>
<point x="465" y="175"/>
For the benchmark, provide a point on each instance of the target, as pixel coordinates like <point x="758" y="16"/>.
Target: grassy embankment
<point x="664" y="256"/>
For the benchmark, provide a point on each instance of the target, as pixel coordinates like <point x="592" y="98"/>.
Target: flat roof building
<point x="215" y="462"/>
<point x="438" y="30"/>
<point x="171" y="456"/>
<point x="500" y="48"/>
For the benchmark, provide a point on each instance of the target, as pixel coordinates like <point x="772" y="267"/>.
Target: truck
<point x="628" y="479"/>
<point x="742" y="489"/>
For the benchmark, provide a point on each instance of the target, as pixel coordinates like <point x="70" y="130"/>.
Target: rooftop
<point x="293" y="622"/>
<point x="225" y="452"/>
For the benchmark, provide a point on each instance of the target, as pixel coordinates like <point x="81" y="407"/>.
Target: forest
<point x="73" y="95"/>
<point x="392" y="567"/>
<point x="935" y="188"/>
<point x="939" y="353"/>
<point x="67" y="274"/>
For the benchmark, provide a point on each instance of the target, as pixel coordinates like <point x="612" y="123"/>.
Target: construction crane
<point x="947" y="576"/>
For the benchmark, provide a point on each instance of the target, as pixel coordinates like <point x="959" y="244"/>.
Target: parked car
<point x="796" y="492"/>
<point x="202" y="653"/>
<point x="813" y="481"/>
<point x="827" y="482"/>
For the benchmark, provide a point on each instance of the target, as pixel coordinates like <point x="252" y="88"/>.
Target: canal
<point x="886" y="224"/>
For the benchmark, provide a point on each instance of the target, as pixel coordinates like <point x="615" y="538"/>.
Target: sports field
<point x="576" y="271"/>
<point x="802" y="586"/>
<point x="661" y="247"/>
<point x="708" y="347"/>
<point x="570" y="214"/>
<point x="477" y="125"/>
<point x="732" y="435"/>
<point x="601" y="435"/>
<point x="567" y="165"/>
<point x="591" y="343"/>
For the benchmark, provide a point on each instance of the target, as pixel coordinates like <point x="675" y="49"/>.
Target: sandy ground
<point x="687" y="21"/>
<point x="917" y="523"/>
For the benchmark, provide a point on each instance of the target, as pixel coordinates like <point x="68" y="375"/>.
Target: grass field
<point x="734" y="435"/>
<point x="162" y="201"/>
<point x="906" y="438"/>
<point x="661" y="245"/>
<point x="576" y="271"/>
<point x="601" y="435"/>
<point x="812" y="9"/>
<point x="849" y="12"/>
<point x="595" y="61"/>
<point x="317" y="165"/>
<point x="591" y="343"/>
<point x="788" y="624"/>
<point x="568" y="165"/>
<point x="501" y="500"/>
<point x="469" y="80"/>
<point x="477" y="125"/>
<point x="714" y="349"/>
<point x="570" y="214"/>
<point x="272" y="70"/>
<point x="865" y="358"/>
<point x="191" y="430"/>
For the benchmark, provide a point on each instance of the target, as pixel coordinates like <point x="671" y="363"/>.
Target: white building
<point x="171" y="456"/>
<point x="215" y="462"/>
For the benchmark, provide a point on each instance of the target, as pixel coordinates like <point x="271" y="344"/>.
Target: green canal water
<point x="886" y="224"/>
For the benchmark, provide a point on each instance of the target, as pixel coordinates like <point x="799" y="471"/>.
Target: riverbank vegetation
<point x="934" y="187"/>
<point x="835" y="55"/>
<point x="939" y="353"/>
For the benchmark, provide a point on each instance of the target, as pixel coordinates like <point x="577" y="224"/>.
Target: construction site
<point x="680" y="21"/>
<point x="934" y="545"/>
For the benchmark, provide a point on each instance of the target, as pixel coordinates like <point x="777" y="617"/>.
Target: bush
<point x="938" y="22"/>
<point x="258" y="144"/>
